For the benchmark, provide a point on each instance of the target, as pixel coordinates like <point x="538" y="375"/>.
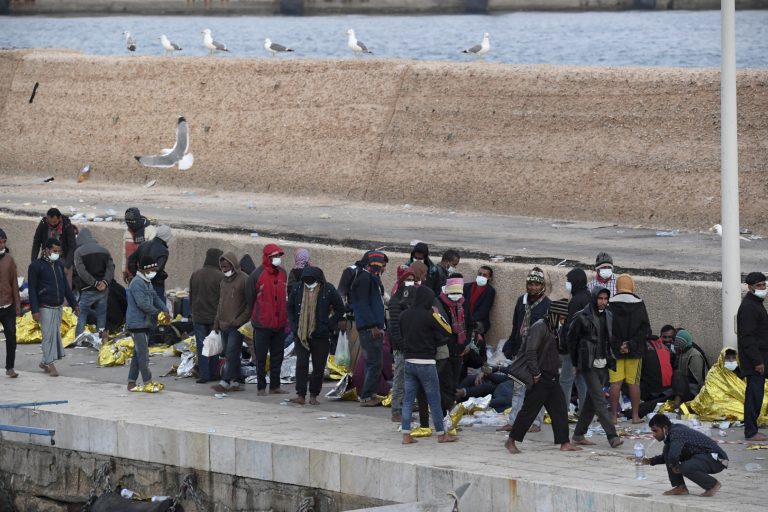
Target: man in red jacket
<point x="267" y="295"/>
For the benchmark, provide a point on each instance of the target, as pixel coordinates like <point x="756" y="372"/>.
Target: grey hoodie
<point x="93" y="263"/>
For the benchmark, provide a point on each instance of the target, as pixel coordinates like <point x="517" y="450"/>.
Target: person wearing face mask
<point x="143" y="308"/>
<point x="687" y="453"/>
<point x="10" y="304"/>
<point x="267" y="296"/>
<point x="447" y="266"/>
<point x="479" y="297"/>
<point x="139" y="229"/>
<point x="232" y="312"/>
<point x="529" y="309"/>
<point x="314" y="310"/>
<point x="58" y="226"/>
<point x="589" y="344"/>
<point x="451" y="307"/>
<point x="367" y="300"/>
<point x="691" y="372"/>
<point x="301" y="259"/>
<point x="204" y="287"/>
<point x="752" y="329"/>
<point x="604" y="276"/>
<point x="48" y="288"/>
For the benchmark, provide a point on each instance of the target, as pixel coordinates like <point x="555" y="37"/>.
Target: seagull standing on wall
<point x="480" y="49"/>
<point x="274" y="48"/>
<point x="213" y="46"/>
<point x="168" y="45"/>
<point x="355" y="45"/>
<point x="130" y="43"/>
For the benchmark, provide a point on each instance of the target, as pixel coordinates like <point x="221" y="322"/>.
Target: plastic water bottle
<point x="639" y="455"/>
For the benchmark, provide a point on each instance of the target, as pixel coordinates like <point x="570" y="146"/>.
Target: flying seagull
<point x="177" y="155"/>
<point x="213" y="46"/>
<point x="355" y="45"/>
<point x="130" y="43"/>
<point x="168" y="45"/>
<point x="274" y="48"/>
<point x="480" y="49"/>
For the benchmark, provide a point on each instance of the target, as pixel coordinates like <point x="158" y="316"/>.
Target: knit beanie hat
<point x="404" y="272"/>
<point x="536" y="275"/>
<point x="164" y="233"/>
<point x="454" y="285"/>
<point x="301" y="258"/>
<point x="377" y="260"/>
<point x="558" y="309"/>
<point x="754" y="277"/>
<point x="603" y="260"/>
<point x="625" y="284"/>
<point x="2" y="235"/>
<point x="683" y="340"/>
<point x="419" y="270"/>
<point x="147" y="263"/>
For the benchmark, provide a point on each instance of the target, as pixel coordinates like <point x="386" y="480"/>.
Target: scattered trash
<point x="158" y="499"/>
<point x="561" y="264"/>
<point x="674" y="232"/>
<point x="250" y="206"/>
<point x="407" y="206"/>
<point x="322" y="417"/>
<point x="44" y="201"/>
<point x="220" y="395"/>
<point x="753" y="466"/>
<point x="639" y="455"/>
<point x="128" y="494"/>
<point x="27" y="204"/>
<point x="211" y="430"/>
<point x="339" y="415"/>
<point x="110" y="212"/>
<point x="325" y="216"/>
<point x="254" y="235"/>
<point x="414" y="242"/>
<point x="723" y="433"/>
<point x="85" y="173"/>
<point x="48" y="179"/>
<point x="497" y="259"/>
<point x="189" y="193"/>
<point x="150" y="184"/>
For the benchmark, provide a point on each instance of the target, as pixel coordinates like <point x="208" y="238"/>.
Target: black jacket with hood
<point x="93" y="263"/>
<point x="630" y="323"/>
<point x="329" y="310"/>
<point x="752" y="334"/>
<point x="66" y="238"/>
<point x="584" y="340"/>
<point x="156" y="249"/>
<point x="580" y="298"/>
<point x="512" y="346"/>
<point x="204" y="286"/>
<point x="421" y="330"/>
<point x="400" y="301"/>
<point x="423" y="249"/>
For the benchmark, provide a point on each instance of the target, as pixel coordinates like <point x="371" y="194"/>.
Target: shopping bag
<point x="212" y="345"/>
<point x="342" y="350"/>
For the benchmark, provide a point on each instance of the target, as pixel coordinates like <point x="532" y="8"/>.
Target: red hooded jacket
<point x="267" y="293"/>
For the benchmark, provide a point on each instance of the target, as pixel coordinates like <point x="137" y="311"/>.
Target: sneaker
<point x="11" y="373"/>
<point x="278" y="391"/>
<point x="131" y="385"/>
<point x="201" y="381"/>
<point x="371" y="402"/>
<point x="52" y="370"/>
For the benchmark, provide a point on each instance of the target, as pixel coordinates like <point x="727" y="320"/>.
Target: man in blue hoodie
<point x="48" y="287"/>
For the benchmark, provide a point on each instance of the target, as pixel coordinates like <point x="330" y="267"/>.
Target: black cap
<point x="147" y="263"/>
<point x="754" y="278"/>
<point x="2" y="235"/>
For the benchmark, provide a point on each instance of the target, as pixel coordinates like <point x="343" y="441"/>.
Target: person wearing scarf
<point x="530" y="307"/>
<point x="451" y="301"/>
<point x="138" y="230"/>
<point x="479" y="297"/>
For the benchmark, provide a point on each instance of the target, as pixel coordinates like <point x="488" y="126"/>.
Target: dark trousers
<point x="206" y="365"/>
<point x="268" y="341"/>
<point x="8" y="319"/>
<point x="318" y="350"/>
<point x="233" y="349"/>
<point x="697" y="469"/>
<point x="373" y="349"/>
<point x="547" y="393"/>
<point x="682" y="387"/>
<point x="595" y="403"/>
<point x="753" y="402"/>
<point x="448" y="372"/>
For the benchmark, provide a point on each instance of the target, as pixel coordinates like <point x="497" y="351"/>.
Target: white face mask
<point x="409" y="283"/>
<point x="606" y="273"/>
<point x="2" y="251"/>
<point x="276" y="262"/>
<point x="731" y="365"/>
<point x="229" y="274"/>
<point x="310" y="286"/>
<point x="454" y="296"/>
<point x="568" y="286"/>
<point x="481" y="280"/>
<point x="451" y="269"/>
<point x="151" y="275"/>
<point x="760" y="294"/>
<point x="54" y="256"/>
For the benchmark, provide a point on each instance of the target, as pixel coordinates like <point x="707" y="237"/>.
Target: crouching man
<point x="687" y="454"/>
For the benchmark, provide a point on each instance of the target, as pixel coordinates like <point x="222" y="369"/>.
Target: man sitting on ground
<point x="688" y="378"/>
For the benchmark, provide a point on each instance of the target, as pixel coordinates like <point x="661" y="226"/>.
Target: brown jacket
<point x="9" y="285"/>
<point x="233" y="305"/>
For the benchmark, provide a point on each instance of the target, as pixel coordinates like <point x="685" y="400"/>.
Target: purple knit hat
<point x="301" y="258"/>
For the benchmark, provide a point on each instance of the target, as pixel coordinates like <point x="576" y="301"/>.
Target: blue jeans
<point x="424" y="376"/>
<point x="96" y="300"/>
<point x="568" y="377"/>
<point x="140" y="359"/>
<point x="206" y="365"/>
<point x="373" y="350"/>
<point x="233" y="348"/>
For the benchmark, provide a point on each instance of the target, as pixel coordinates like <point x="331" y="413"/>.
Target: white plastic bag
<point x="341" y="358"/>
<point x="212" y="345"/>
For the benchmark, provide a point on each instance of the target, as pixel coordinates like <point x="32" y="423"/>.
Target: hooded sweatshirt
<point x="423" y="249"/>
<point x="328" y="310"/>
<point x="247" y="265"/>
<point x="233" y="309"/>
<point x="400" y="301"/>
<point x="157" y="250"/>
<point x="266" y="291"/>
<point x="422" y="330"/>
<point x="204" y="286"/>
<point x="589" y="335"/>
<point x="9" y="284"/>
<point x="93" y="263"/>
<point x="65" y="233"/>
<point x="580" y="298"/>
<point x="138" y="231"/>
<point x="630" y="323"/>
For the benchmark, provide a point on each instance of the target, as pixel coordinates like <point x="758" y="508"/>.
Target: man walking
<point x="266" y="295"/>
<point x="231" y="314"/>
<point x="48" y="288"/>
<point x="752" y="332"/>
<point x="204" y="287"/>
<point x="58" y="226"/>
<point x="95" y="270"/>
<point x="10" y="304"/>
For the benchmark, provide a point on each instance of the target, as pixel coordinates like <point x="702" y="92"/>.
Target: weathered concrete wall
<point x="633" y="145"/>
<point x="693" y="304"/>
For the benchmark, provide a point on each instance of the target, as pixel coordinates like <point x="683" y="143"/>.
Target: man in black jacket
<point x="157" y="250"/>
<point x="576" y="286"/>
<point x="479" y="297"/>
<point x="95" y="270"/>
<point x="752" y="331"/>
<point x="204" y="287"/>
<point x="530" y="308"/>
<point x="589" y="343"/>
<point x="57" y="226"/>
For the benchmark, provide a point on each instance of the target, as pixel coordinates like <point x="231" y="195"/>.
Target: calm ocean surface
<point x="629" y="38"/>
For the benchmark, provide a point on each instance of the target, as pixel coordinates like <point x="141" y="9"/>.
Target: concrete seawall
<point x="631" y="145"/>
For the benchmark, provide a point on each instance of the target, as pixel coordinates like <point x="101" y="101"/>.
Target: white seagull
<point x="177" y="155"/>
<point x="213" y="46"/>
<point x="130" y="43"/>
<point x="274" y="48"/>
<point x="168" y="45"/>
<point x="355" y="45"/>
<point x="480" y="49"/>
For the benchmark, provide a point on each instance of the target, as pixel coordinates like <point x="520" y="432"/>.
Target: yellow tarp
<point x="28" y="331"/>
<point x="117" y="353"/>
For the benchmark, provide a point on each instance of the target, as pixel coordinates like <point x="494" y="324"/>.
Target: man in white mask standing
<point x="604" y="276"/>
<point x="752" y="329"/>
<point x="48" y="287"/>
